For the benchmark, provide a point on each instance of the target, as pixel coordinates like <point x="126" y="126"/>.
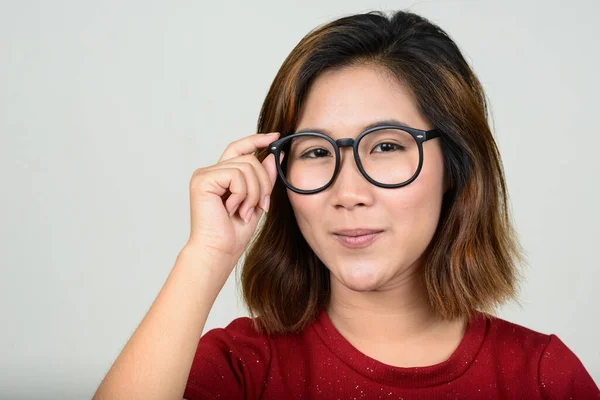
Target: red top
<point x="495" y="359"/>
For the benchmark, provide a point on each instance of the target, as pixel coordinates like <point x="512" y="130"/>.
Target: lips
<point x="356" y="232"/>
<point x="357" y="238"/>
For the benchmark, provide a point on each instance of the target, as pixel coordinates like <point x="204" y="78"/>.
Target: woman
<point x="386" y="247"/>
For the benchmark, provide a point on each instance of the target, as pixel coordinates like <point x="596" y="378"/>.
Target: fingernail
<point x="273" y="134"/>
<point x="234" y="210"/>
<point x="248" y="215"/>
<point x="265" y="202"/>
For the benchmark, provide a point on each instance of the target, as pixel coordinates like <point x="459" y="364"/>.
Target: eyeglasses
<point x="388" y="156"/>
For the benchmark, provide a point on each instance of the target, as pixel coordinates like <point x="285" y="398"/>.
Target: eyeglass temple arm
<point x="431" y="134"/>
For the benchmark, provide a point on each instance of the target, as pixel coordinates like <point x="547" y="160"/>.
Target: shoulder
<point x="240" y="338"/>
<point x="562" y="374"/>
<point x="510" y="334"/>
<point x="243" y="326"/>
<point x="558" y="371"/>
<point x="516" y="347"/>
<point x="230" y="362"/>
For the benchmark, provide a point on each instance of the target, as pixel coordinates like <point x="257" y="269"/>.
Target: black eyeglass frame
<point x="419" y="135"/>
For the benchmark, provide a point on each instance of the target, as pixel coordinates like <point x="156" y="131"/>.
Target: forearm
<point x="156" y="361"/>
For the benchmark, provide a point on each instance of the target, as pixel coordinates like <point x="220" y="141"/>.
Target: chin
<point x="361" y="277"/>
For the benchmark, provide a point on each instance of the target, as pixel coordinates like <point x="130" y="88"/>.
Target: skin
<point x="377" y="301"/>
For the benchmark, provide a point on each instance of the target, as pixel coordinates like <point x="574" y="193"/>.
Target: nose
<point x="350" y="188"/>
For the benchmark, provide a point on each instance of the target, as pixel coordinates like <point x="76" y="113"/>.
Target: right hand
<point x="223" y="195"/>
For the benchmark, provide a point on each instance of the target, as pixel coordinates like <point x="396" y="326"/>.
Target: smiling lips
<point x="357" y="238"/>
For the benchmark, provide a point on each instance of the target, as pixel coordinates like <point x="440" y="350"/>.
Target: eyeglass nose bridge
<point x="345" y="142"/>
<point x="348" y="142"/>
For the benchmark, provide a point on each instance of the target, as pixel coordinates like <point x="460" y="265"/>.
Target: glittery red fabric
<point x="496" y="359"/>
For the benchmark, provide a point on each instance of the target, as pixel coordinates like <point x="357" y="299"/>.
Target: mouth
<point x="357" y="238"/>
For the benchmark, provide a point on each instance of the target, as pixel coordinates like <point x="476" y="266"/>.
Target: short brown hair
<point x="471" y="262"/>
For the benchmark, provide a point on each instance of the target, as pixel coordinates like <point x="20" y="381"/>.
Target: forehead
<point x="345" y="102"/>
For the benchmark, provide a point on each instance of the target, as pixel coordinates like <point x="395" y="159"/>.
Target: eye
<point x="388" y="147"/>
<point x="317" y="153"/>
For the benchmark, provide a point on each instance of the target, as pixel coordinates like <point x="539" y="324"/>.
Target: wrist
<point x="206" y="261"/>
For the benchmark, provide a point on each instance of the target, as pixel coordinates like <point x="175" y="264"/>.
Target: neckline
<point x="408" y="377"/>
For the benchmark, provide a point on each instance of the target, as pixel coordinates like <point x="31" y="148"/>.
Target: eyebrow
<point x="389" y="121"/>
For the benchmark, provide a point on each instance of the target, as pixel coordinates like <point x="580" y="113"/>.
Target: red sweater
<point x="495" y="360"/>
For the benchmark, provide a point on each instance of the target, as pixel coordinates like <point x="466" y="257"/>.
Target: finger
<point x="248" y="145"/>
<point x="253" y="189"/>
<point x="222" y="180"/>
<point x="233" y="202"/>
<point x="265" y="181"/>
<point x="271" y="168"/>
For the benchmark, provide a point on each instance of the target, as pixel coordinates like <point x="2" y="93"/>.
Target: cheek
<point x="306" y="209"/>
<point x="416" y="207"/>
<point x="428" y="188"/>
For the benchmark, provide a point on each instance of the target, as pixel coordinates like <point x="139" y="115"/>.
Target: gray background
<point x="106" y="109"/>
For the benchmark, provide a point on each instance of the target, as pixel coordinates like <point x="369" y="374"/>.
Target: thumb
<point x="269" y="164"/>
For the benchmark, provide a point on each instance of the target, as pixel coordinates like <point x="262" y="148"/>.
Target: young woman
<point x="385" y="250"/>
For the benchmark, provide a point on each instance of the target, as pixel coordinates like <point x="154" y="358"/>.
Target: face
<point x="343" y="102"/>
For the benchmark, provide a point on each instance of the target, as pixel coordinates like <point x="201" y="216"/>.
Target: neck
<point x="397" y="313"/>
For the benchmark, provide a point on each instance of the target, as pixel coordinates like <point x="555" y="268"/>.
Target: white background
<point x="106" y="109"/>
